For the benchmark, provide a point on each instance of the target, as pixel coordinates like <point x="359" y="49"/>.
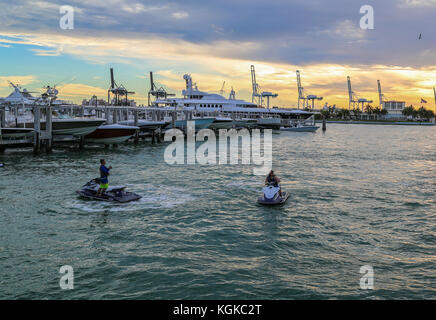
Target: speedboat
<point x="200" y="123"/>
<point x="68" y="126"/>
<point x="146" y="125"/>
<point x="222" y="123"/>
<point x="112" y="194"/>
<point x="111" y="134"/>
<point x="271" y="196"/>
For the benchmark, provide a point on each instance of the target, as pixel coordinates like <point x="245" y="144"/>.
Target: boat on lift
<point x="62" y="125"/>
<point x="146" y="125"/>
<point x="111" y="134"/>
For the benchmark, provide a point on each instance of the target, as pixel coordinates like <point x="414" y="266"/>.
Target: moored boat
<point x="222" y="123"/>
<point x="146" y="125"/>
<point x="200" y="123"/>
<point x="77" y="127"/>
<point x="300" y="129"/>
<point x="111" y="134"/>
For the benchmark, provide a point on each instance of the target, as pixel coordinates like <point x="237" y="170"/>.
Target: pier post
<point x="81" y="142"/>
<point x="136" y="139"/>
<point x="3" y="117"/>
<point x="2" y="125"/>
<point x="106" y="114"/>
<point x="37" y="128"/>
<point x="48" y="129"/>
<point x="115" y="116"/>
<point x="153" y="137"/>
<point x="324" y="123"/>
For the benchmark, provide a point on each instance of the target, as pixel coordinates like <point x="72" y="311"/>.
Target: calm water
<point x="360" y="195"/>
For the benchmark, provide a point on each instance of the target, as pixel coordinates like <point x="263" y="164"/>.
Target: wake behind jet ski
<point x="112" y="193"/>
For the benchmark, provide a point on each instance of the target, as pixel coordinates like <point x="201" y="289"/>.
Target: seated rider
<point x="272" y="178"/>
<point x="104" y="181"/>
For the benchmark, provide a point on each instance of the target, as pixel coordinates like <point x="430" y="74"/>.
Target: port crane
<point x="256" y="91"/>
<point x="303" y="97"/>
<point x="119" y="91"/>
<point x="157" y="92"/>
<point x="353" y="98"/>
<point x="381" y="96"/>
<point x="222" y="88"/>
<point x="434" y="90"/>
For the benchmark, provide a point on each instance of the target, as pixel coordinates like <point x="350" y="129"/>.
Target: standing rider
<point x="104" y="181"/>
<point x="272" y="178"/>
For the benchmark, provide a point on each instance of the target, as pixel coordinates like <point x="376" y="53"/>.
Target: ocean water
<point x="359" y="195"/>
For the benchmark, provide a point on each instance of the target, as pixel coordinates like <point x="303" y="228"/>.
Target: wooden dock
<point x="43" y="139"/>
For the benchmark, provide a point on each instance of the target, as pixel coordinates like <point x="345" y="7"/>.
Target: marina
<point x="217" y="159"/>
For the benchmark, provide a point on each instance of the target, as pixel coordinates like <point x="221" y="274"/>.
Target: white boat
<point x="145" y="125"/>
<point x="222" y="123"/>
<point x="76" y="127"/>
<point x="300" y="129"/>
<point x="198" y="101"/>
<point x="307" y="125"/>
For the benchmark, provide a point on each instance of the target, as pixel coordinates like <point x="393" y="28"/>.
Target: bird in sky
<point x="420" y="36"/>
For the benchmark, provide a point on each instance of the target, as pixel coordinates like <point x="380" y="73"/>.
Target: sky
<point x="218" y="40"/>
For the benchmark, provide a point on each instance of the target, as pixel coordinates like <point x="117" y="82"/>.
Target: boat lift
<point x="303" y="97"/>
<point x="353" y="98"/>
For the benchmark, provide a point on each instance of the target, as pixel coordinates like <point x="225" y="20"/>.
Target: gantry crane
<point x="353" y="98"/>
<point x="118" y="91"/>
<point x="256" y="90"/>
<point x="302" y="96"/>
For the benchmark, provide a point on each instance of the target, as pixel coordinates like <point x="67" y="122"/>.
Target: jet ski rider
<point x="104" y="181"/>
<point x="272" y="178"/>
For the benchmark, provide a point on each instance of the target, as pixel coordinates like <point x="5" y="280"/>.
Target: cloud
<point x="417" y="3"/>
<point x="47" y="52"/>
<point x="180" y="15"/>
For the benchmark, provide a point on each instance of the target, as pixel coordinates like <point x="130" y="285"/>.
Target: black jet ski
<point x="112" y="194"/>
<point x="270" y="196"/>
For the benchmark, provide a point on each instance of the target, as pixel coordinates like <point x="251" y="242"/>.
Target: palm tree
<point x="408" y="111"/>
<point x="369" y="110"/>
<point x="377" y="112"/>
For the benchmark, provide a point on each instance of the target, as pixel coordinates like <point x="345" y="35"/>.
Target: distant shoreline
<point x="381" y="122"/>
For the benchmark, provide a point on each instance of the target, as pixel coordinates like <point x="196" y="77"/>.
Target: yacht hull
<point x="111" y="134"/>
<point x="201" y="123"/>
<point x="71" y="127"/>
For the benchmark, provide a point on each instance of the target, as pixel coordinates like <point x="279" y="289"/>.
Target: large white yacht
<point x="196" y="100"/>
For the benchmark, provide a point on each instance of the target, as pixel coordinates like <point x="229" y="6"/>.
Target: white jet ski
<point x="271" y="196"/>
